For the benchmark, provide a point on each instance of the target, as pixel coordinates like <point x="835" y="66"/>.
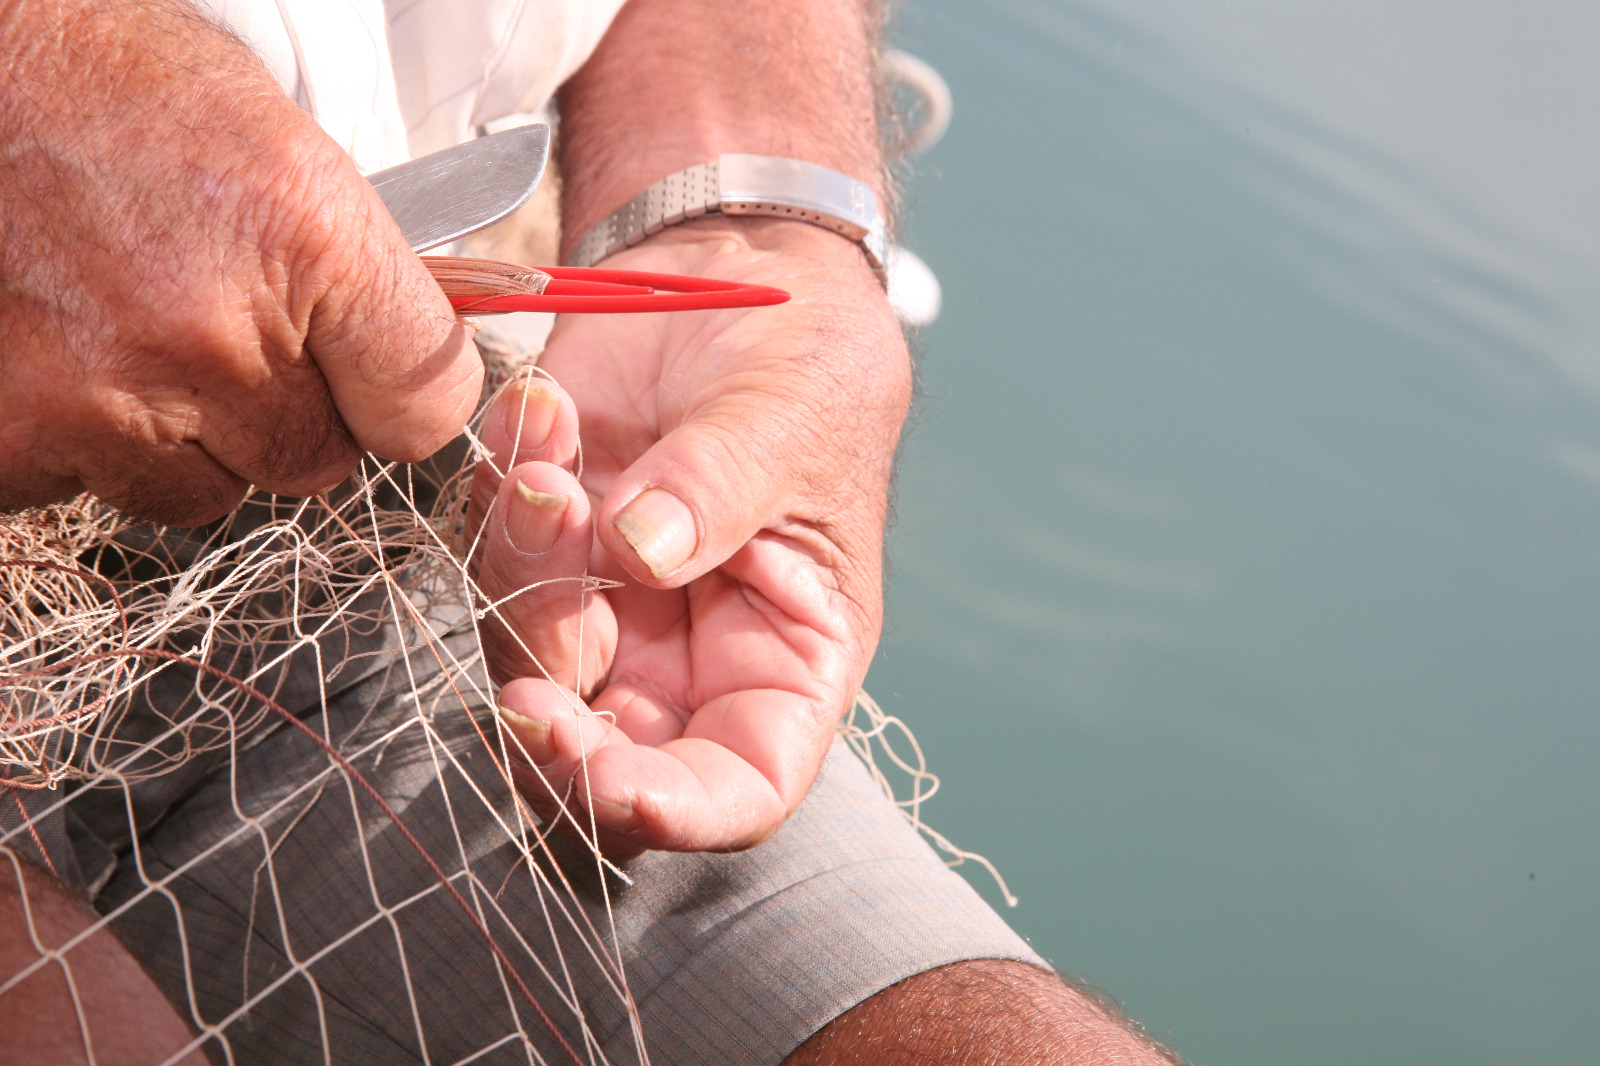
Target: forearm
<point x="677" y="82"/>
<point x="986" y="1012"/>
<point x="94" y="996"/>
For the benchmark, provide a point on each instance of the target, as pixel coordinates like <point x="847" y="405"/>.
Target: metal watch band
<point x="737" y="183"/>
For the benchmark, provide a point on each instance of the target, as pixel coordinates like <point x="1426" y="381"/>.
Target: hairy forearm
<point x="677" y="82"/>
<point x="987" y="1012"/>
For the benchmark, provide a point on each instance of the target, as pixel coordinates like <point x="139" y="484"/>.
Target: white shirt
<point x="393" y="79"/>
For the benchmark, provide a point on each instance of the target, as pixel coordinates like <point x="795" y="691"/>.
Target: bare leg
<point x="96" y="996"/>
<point x="988" y="1012"/>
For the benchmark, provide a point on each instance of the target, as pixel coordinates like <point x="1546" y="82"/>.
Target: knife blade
<point x="445" y="196"/>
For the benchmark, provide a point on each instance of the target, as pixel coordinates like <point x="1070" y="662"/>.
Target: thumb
<point x="403" y="371"/>
<point x="702" y="491"/>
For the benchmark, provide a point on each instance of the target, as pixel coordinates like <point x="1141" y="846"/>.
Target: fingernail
<point x="660" y="528"/>
<point x="530" y="414"/>
<point x="533" y="520"/>
<point x="537" y="738"/>
<point x="614" y="815"/>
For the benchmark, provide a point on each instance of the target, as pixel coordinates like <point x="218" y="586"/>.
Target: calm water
<point x="1246" y="590"/>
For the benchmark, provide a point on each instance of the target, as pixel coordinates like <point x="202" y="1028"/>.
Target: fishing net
<point x="289" y="709"/>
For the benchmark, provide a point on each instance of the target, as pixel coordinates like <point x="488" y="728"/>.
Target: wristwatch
<point x="736" y="183"/>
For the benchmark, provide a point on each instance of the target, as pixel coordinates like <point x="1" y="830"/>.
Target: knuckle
<point x="142" y="421"/>
<point x="300" y="197"/>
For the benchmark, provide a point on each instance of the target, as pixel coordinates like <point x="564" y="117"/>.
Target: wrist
<point x="588" y="204"/>
<point x="778" y="77"/>
<point x="695" y="242"/>
<point x="747" y="186"/>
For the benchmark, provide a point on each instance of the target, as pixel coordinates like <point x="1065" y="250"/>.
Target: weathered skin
<point x="197" y="289"/>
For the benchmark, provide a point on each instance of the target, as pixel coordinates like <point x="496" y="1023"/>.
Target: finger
<point x="284" y="436"/>
<point x="694" y="793"/>
<point x="645" y="719"/>
<point x="550" y="737"/>
<point x="402" y="369"/>
<point x="725" y="783"/>
<point x="796" y="427"/>
<point x="24" y="488"/>
<point x="701" y="491"/>
<point x="172" y="483"/>
<point x="742" y="766"/>
<point x="532" y="558"/>
<point x="691" y="795"/>
<point x="531" y="419"/>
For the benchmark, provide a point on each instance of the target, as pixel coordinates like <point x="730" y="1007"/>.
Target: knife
<point x="445" y="196"/>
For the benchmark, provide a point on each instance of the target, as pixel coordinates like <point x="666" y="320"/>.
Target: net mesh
<point x="299" y="681"/>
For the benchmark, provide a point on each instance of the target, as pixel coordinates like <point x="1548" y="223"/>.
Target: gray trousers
<point x="279" y="907"/>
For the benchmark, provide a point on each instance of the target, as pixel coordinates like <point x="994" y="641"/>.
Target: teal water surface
<point x="1246" y="586"/>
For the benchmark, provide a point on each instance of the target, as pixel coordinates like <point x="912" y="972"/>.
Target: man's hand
<point x="197" y="289"/>
<point x="735" y="471"/>
<point x="736" y="464"/>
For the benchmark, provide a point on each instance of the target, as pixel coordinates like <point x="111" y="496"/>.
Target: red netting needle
<point x="592" y="290"/>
